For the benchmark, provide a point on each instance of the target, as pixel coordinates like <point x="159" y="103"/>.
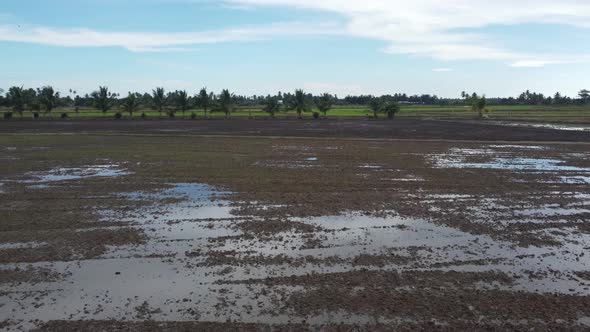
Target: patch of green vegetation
<point x="569" y="113"/>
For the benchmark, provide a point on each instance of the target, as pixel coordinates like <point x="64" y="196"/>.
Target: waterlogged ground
<point x="173" y="233"/>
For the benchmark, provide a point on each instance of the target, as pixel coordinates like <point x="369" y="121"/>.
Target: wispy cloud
<point x="533" y="63"/>
<point x="442" y="30"/>
<point x="160" y="42"/>
<point x="430" y="27"/>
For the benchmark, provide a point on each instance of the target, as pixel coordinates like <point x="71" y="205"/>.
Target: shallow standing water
<point x="199" y="250"/>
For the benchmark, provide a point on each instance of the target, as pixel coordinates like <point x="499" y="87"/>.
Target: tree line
<point x="525" y="98"/>
<point x="45" y="99"/>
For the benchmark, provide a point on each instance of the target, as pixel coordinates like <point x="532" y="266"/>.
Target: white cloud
<point x="159" y="42"/>
<point x="431" y="27"/>
<point x="533" y="63"/>
<point x="553" y="60"/>
<point x="443" y="30"/>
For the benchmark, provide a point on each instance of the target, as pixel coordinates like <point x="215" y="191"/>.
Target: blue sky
<point x="497" y="48"/>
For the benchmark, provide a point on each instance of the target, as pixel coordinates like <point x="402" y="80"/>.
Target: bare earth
<point x="293" y="225"/>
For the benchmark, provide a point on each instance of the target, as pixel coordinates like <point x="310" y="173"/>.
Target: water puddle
<point x="172" y="277"/>
<point x="575" y="179"/>
<point x="496" y="159"/>
<point x="74" y="173"/>
<point x="546" y="126"/>
<point x="519" y="147"/>
<point x="409" y="178"/>
<point x="25" y="245"/>
<point x="515" y="164"/>
<point x="369" y="166"/>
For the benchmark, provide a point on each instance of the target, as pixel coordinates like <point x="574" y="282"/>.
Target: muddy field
<point x="186" y="232"/>
<point x="325" y="128"/>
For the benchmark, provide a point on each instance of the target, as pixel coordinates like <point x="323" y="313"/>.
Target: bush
<point x="143" y="115"/>
<point x="316" y="115"/>
<point x="118" y="115"/>
<point x="36" y="115"/>
<point x="193" y="115"/>
<point x="64" y="115"/>
<point x="171" y="115"/>
<point x="7" y="115"/>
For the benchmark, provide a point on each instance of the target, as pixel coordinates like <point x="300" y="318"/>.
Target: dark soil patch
<point x="445" y="304"/>
<point x="29" y="275"/>
<point x="457" y="325"/>
<point x="85" y="244"/>
<point x="358" y="128"/>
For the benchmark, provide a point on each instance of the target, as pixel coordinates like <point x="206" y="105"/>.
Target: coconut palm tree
<point x="584" y="95"/>
<point x="48" y="98"/>
<point x="299" y="102"/>
<point x="225" y="102"/>
<point x="159" y="99"/>
<point x="16" y="98"/>
<point x="204" y="100"/>
<point x="130" y="104"/>
<point x="391" y="108"/>
<point x="182" y="101"/>
<point x="375" y="105"/>
<point x="272" y="105"/>
<point x="103" y="99"/>
<point x="478" y="104"/>
<point x="324" y="103"/>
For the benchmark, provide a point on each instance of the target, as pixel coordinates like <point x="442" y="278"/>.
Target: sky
<point x="496" y="48"/>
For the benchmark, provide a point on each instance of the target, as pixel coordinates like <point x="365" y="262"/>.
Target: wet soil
<point x="329" y="128"/>
<point x="222" y="327"/>
<point x="212" y="233"/>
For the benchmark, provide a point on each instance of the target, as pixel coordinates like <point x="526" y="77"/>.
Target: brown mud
<point x="175" y="232"/>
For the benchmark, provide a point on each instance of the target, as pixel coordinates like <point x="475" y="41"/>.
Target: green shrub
<point x="118" y="115"/>
<point x="143" y="115"/>
<point x="36" y="115"/>
<point x="64" y="115"/>
<point x="316" y="115"/>
<point x="193" y="115"/>
<point x="7" y="115"/>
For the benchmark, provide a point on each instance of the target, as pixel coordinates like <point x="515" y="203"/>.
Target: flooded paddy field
<point x="125" y="232"/>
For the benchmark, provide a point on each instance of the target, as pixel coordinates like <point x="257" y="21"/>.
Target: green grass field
<point x="563" y="114"/>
